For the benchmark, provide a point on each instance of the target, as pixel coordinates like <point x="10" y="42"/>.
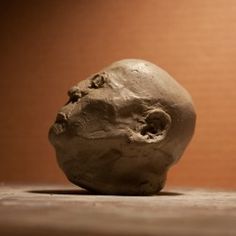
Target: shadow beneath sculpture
<point x="85" y="192"/>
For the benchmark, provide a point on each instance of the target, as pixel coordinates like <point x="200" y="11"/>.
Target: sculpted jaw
<point x="123" y="128"/>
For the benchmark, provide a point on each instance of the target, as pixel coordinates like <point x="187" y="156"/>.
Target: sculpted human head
<point x="123" y="128"/>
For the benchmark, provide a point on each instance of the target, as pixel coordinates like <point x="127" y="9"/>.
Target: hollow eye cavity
<point x="75" y="94"/>
<point x="98" y="81"/>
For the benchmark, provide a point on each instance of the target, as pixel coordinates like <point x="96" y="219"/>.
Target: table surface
<point x="67" y="210"/>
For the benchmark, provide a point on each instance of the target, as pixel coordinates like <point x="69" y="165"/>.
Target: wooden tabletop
<point x="67" y="210"/>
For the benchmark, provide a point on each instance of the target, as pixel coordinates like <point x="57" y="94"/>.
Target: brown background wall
<point x="47" y="46"/>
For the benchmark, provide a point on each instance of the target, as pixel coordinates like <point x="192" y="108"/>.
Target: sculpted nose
<point x="61" y="117"/>
<point x="58" y="127"/>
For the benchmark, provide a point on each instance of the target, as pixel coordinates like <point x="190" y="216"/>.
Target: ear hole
<point x="157" y="124"/>
<point x="156" y="128"/>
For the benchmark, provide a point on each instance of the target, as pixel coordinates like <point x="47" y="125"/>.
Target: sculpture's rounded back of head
<point x="123" y="128"/>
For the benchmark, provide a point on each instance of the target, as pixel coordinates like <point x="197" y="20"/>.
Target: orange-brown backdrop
<point x="47" y="46"/>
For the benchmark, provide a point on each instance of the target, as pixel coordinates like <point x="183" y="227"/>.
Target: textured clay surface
<point x="123" y="128"/>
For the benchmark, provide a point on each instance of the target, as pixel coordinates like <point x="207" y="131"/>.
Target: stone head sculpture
<point x="123" y="128"/>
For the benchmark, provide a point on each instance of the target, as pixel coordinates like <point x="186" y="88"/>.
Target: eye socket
<point x="73" y="99"/>
<point x="75" y="94"/>
<point x="97" y="81"/>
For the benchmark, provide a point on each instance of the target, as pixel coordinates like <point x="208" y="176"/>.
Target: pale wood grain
<point x="65" y="210"/>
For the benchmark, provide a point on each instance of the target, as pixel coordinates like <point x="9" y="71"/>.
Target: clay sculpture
<point x="123" y="128"/>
